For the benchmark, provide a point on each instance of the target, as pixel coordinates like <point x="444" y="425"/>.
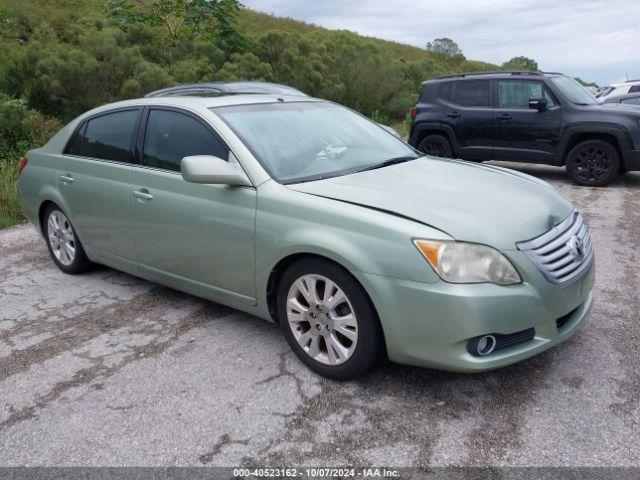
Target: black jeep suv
<point x="527" y="117"/>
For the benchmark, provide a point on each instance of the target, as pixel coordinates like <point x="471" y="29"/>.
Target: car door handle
<point x="504" y="116"/>
<point x="142" y="194"/>
<point x="453" y="114"/>
<point x="67" y="178"/>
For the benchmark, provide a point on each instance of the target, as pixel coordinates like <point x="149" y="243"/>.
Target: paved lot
<point x="107" y="369"/>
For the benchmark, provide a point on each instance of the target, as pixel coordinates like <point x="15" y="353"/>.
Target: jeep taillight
<point x="414" y="112"/>
<point x="23" y="163"/>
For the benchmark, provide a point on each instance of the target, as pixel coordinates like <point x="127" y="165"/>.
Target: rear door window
<point x="170" y="136"/>
<point x="472" y="93"/>
<point x="446" y="91"/>
<point x="106" y="137"/>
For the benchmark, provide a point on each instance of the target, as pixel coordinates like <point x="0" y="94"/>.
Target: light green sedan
<point x="305" y="213"/>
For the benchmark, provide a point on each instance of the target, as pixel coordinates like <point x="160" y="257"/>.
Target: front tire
<point x="593" y="163"/>
<point x="436" y="146"/>
<point x="328" y="320"/>
<point x="63" y="243"/>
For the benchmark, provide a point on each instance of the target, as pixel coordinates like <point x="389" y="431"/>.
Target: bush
<point x="64" y="57"/>
<point x="21" y="129"/>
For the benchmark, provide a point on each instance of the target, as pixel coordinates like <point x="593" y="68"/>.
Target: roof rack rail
<point x="515" y="72"/>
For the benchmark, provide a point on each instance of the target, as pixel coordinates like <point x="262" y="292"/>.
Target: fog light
<point x="481" y="346"/>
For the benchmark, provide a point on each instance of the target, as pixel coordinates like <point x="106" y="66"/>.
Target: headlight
<point x="459" y="262"/>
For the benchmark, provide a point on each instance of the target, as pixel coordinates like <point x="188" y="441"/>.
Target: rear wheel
<point x="328" y="320"/>
<point x="593" y="163"/>
<point x="436" y="145"/>
<point x="63" y="243"/>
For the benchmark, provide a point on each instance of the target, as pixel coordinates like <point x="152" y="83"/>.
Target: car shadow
<point x="552" y="173"/>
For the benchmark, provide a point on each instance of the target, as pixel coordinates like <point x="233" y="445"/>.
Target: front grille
<point x="502" y="340"/>
<point x="511" y="339"/>
<point x="562" y="253"/>
<point x="561" y="321"/>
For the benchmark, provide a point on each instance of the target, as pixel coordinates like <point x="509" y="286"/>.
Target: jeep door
<point x="468" y="112"/>
<point x="196" y="237"/>
<point x="523" y="133"/>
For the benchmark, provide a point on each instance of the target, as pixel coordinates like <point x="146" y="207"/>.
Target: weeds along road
<point x="107" y="369"/>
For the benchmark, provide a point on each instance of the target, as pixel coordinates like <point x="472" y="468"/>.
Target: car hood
<point x="469" y="202"/>
<point x="611" y="107"/>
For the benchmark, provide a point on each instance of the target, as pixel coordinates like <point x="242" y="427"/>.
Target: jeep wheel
<point x="436" y="145"/>
<point x="593" y="163"/>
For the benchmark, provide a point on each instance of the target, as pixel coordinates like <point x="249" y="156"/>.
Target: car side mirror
<point x="538" y="103"/>
<point x="212" y="170"/>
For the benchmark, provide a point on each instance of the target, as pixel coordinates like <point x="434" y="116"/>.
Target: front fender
<point x="360" y="239"/>
<point x="620" y="133"/>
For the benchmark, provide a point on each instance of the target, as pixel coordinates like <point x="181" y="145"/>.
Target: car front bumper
<point x="429" y="325"/>
<point x="633" y="161"/>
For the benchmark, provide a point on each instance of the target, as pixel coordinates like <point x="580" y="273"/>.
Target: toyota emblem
<point x="577" y="247"/>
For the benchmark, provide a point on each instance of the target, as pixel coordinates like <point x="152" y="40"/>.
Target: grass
<point x="10" y="209"/>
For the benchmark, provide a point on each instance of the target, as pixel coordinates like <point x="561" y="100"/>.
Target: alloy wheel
<point x="592" y="165"/>
<point x="61" y="237"/>
<point x="435" y="147"/>
<point x="322" y="319"/>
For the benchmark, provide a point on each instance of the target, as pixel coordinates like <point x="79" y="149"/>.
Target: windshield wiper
<point x="391" y="161"/>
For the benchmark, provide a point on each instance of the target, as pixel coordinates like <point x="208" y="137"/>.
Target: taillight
<point x="414" y="112"/>
<point x="23" y="163"/>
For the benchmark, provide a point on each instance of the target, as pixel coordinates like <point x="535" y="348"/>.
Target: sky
<point x="596" y="40"/>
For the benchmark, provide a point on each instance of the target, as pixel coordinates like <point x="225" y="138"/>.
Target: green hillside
<point x="59" y="58"/>
<point x="64" y="56"/>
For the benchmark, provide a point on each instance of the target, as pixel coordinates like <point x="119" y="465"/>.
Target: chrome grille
<point x="562" y="253"/>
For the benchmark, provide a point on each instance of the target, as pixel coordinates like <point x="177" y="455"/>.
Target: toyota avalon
<point x="307" y="214"/>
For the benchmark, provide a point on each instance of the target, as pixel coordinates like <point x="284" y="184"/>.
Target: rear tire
<point x="436" y="146"/>
<point x="328" y="320"/>
<point x="593" y="163"/>
<point x="63" y="242"/>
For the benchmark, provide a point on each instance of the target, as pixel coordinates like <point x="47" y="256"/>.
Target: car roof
<point x="506" y="74"/>
<point x="230" y="87"/>
<point x="206" y="102"/>
<point x="618" y="98"/>
<point x="195" y="103"/>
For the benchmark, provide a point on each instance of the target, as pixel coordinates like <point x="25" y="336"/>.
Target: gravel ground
<point x="107" y="369"/>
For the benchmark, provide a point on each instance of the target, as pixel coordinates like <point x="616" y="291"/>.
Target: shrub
<point x="21" y="129"/>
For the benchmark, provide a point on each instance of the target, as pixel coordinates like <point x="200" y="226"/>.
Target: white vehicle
<point x="618" y="89"/>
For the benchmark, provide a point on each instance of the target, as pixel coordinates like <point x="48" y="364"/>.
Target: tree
<point x="445" y="46"/>
<point x="585" y="83"/>
<point x="521" y="63"/>
<point x="209" y="19"/>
